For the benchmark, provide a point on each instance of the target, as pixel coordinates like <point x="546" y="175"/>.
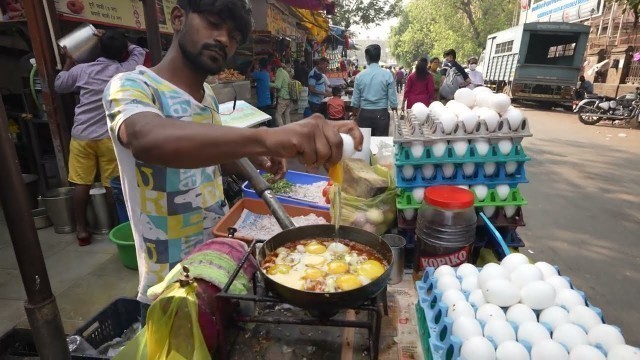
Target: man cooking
<point x="170" y="144"/>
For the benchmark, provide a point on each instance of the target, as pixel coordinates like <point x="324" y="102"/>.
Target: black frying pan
<point x="318" y="303"/>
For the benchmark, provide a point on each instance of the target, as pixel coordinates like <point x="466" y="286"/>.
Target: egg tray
<point x="437" y="327"/>
<point x="404" y="156"/>
<point x="405" y="200"/>
<point x="409" y="129"/>
<point x="479" y="177"/>
<point x="499" y="219"/>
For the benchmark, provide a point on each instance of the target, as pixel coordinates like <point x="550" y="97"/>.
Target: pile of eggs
<point x="517" y="310"/>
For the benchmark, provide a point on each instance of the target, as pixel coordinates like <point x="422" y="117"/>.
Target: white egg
<point x="409" y="214"/>
<point x="465" y="328"/>
<point x="585" y="352"/>
<point x="469" y="283"/>
<point x="451" y="296"/>
<point x="418" y="194"/>
<point x="624" y="352"/>
<point x="452" y="103"/>
<point x="480" y="191"/>
<point x="606" y="336"/>
<point x="466" y="187"/>
<point x="499" y="331"/>
<point x="514" y="116"/>
<point x="439" y="148"/>
<point x="417" y="148"/>
<point x="448" y="120"/>
<point x="505" y="146"/>
<point x="569" y="299"/>
<point x="538" y="295"/>
<point x="461" y="309"/>
<point x="547" y="350"/>
<point x="421" y="111"/>
<point x="477" y="348"/>
<point x="489" y="168"/>
<point x="482" y="146"/>
<point x="436" y="105"/>
<point x="468" y="168"/>
<point x="510" y="167"/>
<point x="525" y="274"/>
<point x="448" y="282"/>
<point x="337" y="248"/>
<point x="489" y="312"/>
<point x="460" y="147"/>
<point x="532" y="333"/>
<point x="509" y="210"/>
<point x="585" y="317"/>
<point x="407" y="172"/>
<point x="501" y="292"/>
<point x="470" y="120"/>
<point x="484" y="100"/>
<point x="520" y="313"/>
<point x="481" y="90"/>
<point x="511" y="350"/>
<point x="547" y="269"/>
<point x="444" y="270"/>
<point x="460" y="109"/>
<point x="554" y="316"/>
<point x="500" y="103"/>
<point x="570" y="335"/>
<point x="490" y="117"/>
<point x="428" y="170"/>
<point x="489" y="272"/>
<point x="503" y="191"/>
<point x="467" y="269"/>
<point x="476" y="298"/>
<point x="448" y="169"/>
<point x="489" y="210"/>
<point x="513" y="261"/>
<point x="466" y="97"/>
<point x="558" y="282"/>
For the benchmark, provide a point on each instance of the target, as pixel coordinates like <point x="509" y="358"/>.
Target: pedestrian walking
<point x="420" y="86"/>
<point x="400" y="79"/>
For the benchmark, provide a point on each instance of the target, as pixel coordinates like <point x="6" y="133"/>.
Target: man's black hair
<point x="234" y="12"/>
<point x="450" y="52"/>
<point x="323" y="60"/>
<point x="336" y="91"/>
<point x="372" y="53"/>
<point x="113" y="45"/>
<point x="263" y="62"/>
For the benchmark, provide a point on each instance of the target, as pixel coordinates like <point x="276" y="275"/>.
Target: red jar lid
<point x="449" y="197"/>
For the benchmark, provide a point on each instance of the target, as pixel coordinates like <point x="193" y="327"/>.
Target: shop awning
<point x="313" y="5"/>
<point x="314" y="21"/>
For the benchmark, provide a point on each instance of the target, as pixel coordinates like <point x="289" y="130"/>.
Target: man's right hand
<point x="315" y="140"/>
<point x="69" y="60"/>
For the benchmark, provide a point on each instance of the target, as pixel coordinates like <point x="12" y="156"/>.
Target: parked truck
<point x="536" y="62"/>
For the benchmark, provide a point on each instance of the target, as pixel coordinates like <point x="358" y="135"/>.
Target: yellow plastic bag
<point x="376" y="214"/>
<point x="172" y="330"/>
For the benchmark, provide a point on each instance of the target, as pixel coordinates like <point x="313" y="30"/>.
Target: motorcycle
<point x="595" y="108"/>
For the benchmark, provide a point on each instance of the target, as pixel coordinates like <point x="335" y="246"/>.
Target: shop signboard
<point x="120" y="13"/>
<point x="559" y="10"/>
<point x="280" y="23"/>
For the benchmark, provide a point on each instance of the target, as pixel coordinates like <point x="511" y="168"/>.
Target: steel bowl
<point x="40" y="218"/>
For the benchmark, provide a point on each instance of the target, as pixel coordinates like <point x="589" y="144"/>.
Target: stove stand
<point x="372" y="324"/>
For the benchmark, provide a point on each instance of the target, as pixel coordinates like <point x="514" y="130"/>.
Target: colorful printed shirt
<point x="171" y="210"/>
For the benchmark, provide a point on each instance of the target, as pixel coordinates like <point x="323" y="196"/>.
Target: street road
<point x="584" y="210"/>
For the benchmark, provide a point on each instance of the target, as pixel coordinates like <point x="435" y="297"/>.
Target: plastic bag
<point x="375" y="215"/>
<point x="172" y="330"/>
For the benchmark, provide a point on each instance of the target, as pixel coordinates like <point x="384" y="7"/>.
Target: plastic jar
<point x="445" y="229"/>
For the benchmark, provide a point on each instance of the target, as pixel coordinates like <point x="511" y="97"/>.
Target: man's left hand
<point x="273" y="165"/>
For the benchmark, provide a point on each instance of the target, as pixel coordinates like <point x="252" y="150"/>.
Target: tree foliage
<point x="364" y="12"/>
<point x="429" y="27"/>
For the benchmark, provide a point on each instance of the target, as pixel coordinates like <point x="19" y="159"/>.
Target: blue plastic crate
<point x="293" y="177"/>
<point x="405" y="157"/>
<point x="479" y="176"/>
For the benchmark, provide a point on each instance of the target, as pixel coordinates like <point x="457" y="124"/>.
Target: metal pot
<point x="40" y="218"/>
<point x="59" y="205"/>
<point x="82" y="44"/>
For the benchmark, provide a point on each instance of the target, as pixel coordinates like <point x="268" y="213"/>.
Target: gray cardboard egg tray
<point x="431" y="130"/>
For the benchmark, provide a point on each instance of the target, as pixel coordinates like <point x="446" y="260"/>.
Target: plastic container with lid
<point x="445" y="228"/>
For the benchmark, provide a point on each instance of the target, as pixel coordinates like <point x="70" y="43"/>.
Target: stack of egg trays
<point x="435" y="327"/>
<point x="409" y="130"/>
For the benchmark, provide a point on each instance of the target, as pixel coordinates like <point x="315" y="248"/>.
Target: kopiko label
<point x="454" y="259"/>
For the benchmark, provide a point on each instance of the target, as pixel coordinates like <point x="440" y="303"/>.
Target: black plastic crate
<point x="111" y="322"/>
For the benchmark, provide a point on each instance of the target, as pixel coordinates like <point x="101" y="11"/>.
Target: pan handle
<point x="263" y="189"/>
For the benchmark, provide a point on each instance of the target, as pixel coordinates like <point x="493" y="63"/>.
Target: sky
<point x="380" y="32"/>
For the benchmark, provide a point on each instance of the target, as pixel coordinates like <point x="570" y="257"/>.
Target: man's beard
<point x="198" y="60"/>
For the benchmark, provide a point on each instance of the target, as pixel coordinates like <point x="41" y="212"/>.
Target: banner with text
<point x="559" y="10"/>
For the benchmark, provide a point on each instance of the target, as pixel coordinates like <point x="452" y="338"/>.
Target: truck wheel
<point x="588" y="115"/>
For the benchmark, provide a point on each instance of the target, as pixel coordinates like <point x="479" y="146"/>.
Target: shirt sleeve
<point x="391" y="91"/>
<point x="431" y="89"/>
<point x="356" y="97"/>
<point x="66" y="80"/>
<point x="280" y="77"/>
<point x="136" y="57"/>
<point x="127" y="94"/>
<point x="408" y="87"/>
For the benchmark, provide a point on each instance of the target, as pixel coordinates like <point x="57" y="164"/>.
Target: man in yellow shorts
<point x="91" y="148"/>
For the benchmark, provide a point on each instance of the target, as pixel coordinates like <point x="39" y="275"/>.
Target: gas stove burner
<point x="315" y="318"/>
